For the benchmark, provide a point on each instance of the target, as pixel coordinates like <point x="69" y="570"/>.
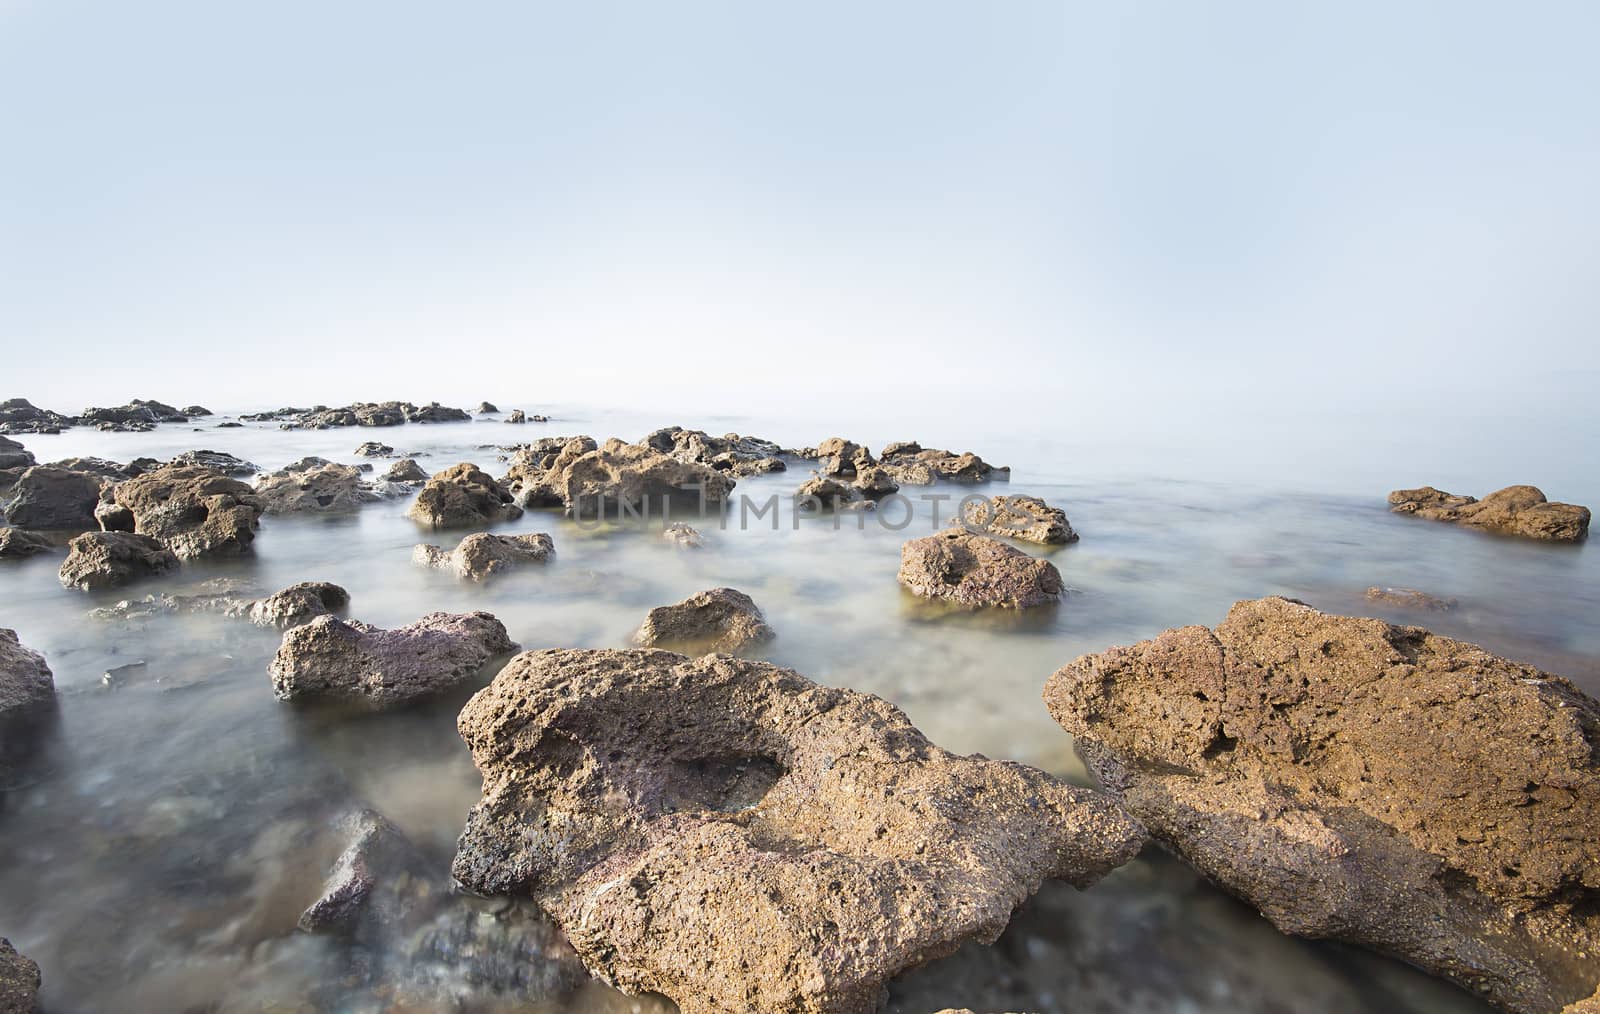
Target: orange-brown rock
<point x="1515" y="510"/>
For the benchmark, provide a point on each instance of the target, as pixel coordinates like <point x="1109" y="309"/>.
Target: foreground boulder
<point x="480" y="556"/>
<point x="26" y="682"/>
<point x="19" y="981"/>
<point x="18" y="415"/>
<point x="16" y="544"/>
<point x="137" y="414"/>
<point x="463" y="496"/>
<point x="358" y="663"/>
<point x="97" y="560"/>
<point x="722" y="619"/>
<point x="1365" y="782"/>
<point x="736" y="837"/>
<point x="1026" y="518"/>
<point x="48" y="497"/>
<point x="1515" y="510"/>
<point x="192" y="509"/>
<point x="972" y="570"/>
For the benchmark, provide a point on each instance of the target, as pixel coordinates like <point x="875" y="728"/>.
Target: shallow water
<point x="157" y="851"/>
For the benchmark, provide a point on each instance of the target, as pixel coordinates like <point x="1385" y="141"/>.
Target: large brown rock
<point x="25" y="679"/>
<point x="321" y="488"/>
<point x="48" y="497"/>
<point x="615" y="477"/>
<point x="973" y="570"/>
<point x="195" y="511"/>
<point x="1515" y="510"/>
<point x="98" y="560"/>
<point x="1366" y="782"/>
<point x="722" y="619"/>
<point x="463" y="496"/>
<point x="913" y="464"/>
<point x="19" y="981"/>
<point x="1027" y="518"/>
<point x="481" y="555"/>
<point x="17" y="544"/>
<point x="358" y="663"/>
<point x="736" y="837"/>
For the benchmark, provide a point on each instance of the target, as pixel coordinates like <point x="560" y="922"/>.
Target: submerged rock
<point x="295" y="605"/>
<point x="1515" y="510"/>
<point x="481" y="555"/>
<point x="367" y="879"/>
<point x="1027" y="518"/>
<point x="16" y="544"/>
<point x="405" y="470"/>
<point x="192" y="509"/>
<point x="973" y="570"/>
<point x="98" y="560"/>
<point x="355" y="662"/>
<point x="682" y="534"/>
<point x="26" y="682"/>
<point x="722" y="619"/>
<point x="14" y="455"/>
<point x="217" y="461"/>
<point x="48" y="497"/>
<point x="19" y="981"/>
<point x="1370" y="783"/>
<point x="18" y="415"/>
<point x="1409" y="598"/>
<point x="736" y="837"/>
<point x="463" y="496"/>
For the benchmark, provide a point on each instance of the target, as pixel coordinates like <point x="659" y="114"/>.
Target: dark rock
<point x="47" y="497"/>
<point x="362" y="885"/>
<point x="481" y="555"/>
<point x="722" y="619"/>
<point x="485" y="408"/>
<point x="105" y="469"/>
<point x="26" y="682"/>
<point x="974" y="570"/>
<point x="137" y="414"/>
<point x="516" y="416"/>
<point x="17" y="415"/>
<point x="405" y="470"/>
<point x="461" y="497"/>
<point x="1027" y="518"/>
<point x="373" y="449"/>
<point x="19" y="981"/>
<point x="17" y="544"/>
<point x="98" y="560"/>
<point x="192" y="509"/>
<point x="1515" y="510"/>
<point x="14" y="455"/>
<point x="218" y="461"/>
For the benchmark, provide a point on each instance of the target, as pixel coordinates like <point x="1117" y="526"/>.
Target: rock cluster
<point x="732" y="453"/>
<point x="1366" y="782"/>
<point x="481" y="555"/>
<point x="52" y="498"/>
<point x="722" y="619"/>
<point x="1027" y="518"/>
<point x="26" y="682"/>
<point x="358" y="663"/>
<point x="18" y="415"/>
<point x="97" y="560"/>
<point x="463" y="496"/>
<point x="733" y="836"/>
<point x="387" y="413"/>
<point x="906" y="463"/>
<point x="1515" y="510"/>
<point x="972" y="570"/>
<point x="193" y="510"/>
<point x="615" y="477"/>
<point x="373" y="449"/>
<point x="136" y="416"/>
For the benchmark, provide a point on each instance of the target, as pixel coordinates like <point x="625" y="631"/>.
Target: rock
<point x="26" y="682"/>
<point x="137" y="414"/>
<point x="19" y="981"/>
<point x="358" y="663"/>
<point x="48" y="497"/>
<point x="295" y="605"/>
<point x="373" y="449"/>
<point x="486" y="408"/>
<point x="973" y="570"/>
<point x="104" y="469"/>
<point x="1409" y="598"/>
<point x="98" y="560"/>
<point x="1370" y="783"/>
<point x="324" y="488"/>
<point x="732" y="453"/>
<point x="17" y="544"/>
<point x="822" y="493"/>
<point x="17" y="415"/>
<point x="481" y="555"/>
<point x="839" y="458"/>
<point x="618" y="477"/>
<point x="217" y="461"/>
<point x="1515" y="510"/>
<point x="463" y="496"/>
<point x="362" y="885"/>
<point x="192" y="509"/>
<point x="721" y="619"/>
<point x="14" y="455"/>
<point x="1027" y="518"/>
<point x="405" y="470"/>
<point x="736" y="837"/>
<point x="911" y="464"/>
<point x="197" y="411"/>
<point x="544" y="459"/>
<point x="875" y="482"/>
<point x="678" y="532"/>
<point x="516" y="416"/>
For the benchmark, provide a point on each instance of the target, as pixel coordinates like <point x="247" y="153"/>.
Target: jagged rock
<point x="25" y="679"/>
<point x="48" y="497"/>
<point x="14" y="455"/>
<point x="975" y="570"/>
<point x="875" y="482"/>
<point x="732" y="453"/>
<point x="192" y="509"/>
<point x="619" y="477"/>
<point x="387" y="413"/>
<point x="839" y="458"/>
<point x="682" y="534"/>
<point x="463" y="496"/>
<point x="295" y="605"/>
<point x="17" y="544"/>
<point x="17" y="415"/>
<point x="481" y="555"/>
<point x="1409" y="598"/>
<point x="1371" y="783"/>
<point x="218" y="461"/>
<point x="98" y="560"/>
<point x="19" y="981"/>
<point x="324" y="488"/>
<point x="486" y="408"/>
<point x="516" y="416"/>
<point x="1027" y="518"/>
<point x="722" y="619"/>
<point x="823" y="493"/>
<point x="534" y="464"/>
<point x="914" y="465"/>
<point x="736" y="837"/>
<point x="373" y="449"/>
<point x="137" y="414"/>
<point x="364" y="882"/>
<point x="405" y="470"/>
<point x="359" y="663"/>
<point x="1515" y="510"/>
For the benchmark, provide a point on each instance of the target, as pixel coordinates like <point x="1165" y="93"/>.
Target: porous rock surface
<point x="19" y="981"/>
<point x="722" y="619"/>
<point x="1515" y="510"/>
<point x="1370" y="783"/>
<point x="606" y="479"/>
<point x="733" y="836"/>
<point x="1027" y="518"/>
<point x="109" y="559"/>
<point x="319" y="487"/>
<point x="294" y="605"/>
<point x="481" y="555"/>
<point x="463" y="496"/>
<point x="195" y="511"/>
<point x="25" y="679"/>
<point x="972" y="570"/>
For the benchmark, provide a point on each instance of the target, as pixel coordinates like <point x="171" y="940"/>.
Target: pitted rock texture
<point x="463" y="496"/>
<point x="972" y="570"/>
<point x="480" y="556"/>
<point x="1515" y="510"/>
<point x="616" y="477"/>
<point x="1370" y="783"/>
<point x="322" y="488"/>
<point x="98" y="560"/>
<point x="823" y="493"/>
<point x="355" y="662"/>
<point x="722" y="619"/>
<point x="1027" y="518"/>
<point x="48" y="497"/>
<point x="294" y="605"/>
<point x="736" y="837"/>
<point x="195" y="511"/>
<point x="25" y="679"/>
<point x="19" y="981"/>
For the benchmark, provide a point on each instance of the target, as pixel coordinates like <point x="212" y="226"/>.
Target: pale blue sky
<point x="1133" y="205"/>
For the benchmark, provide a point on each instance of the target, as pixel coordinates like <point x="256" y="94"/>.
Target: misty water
<point x="159" y="845"/>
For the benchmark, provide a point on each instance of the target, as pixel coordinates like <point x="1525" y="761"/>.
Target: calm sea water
<point x="158" y="850"/>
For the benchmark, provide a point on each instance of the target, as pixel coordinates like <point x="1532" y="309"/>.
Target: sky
<point x="1232" y="211"/>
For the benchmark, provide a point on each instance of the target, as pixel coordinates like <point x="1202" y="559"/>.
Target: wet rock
<point x="324" y="488"/>
<point x="516" y="416"/>
<point x="736" y="837"/>
<point x="911" y="463"/>
<point x="14" y="455"/>
<point x="48" y="497"/>
<point x="19" y="981"/>
<point x="373" y="449"/>
<point x="680" y="533"/>
<point x="481" y="555"/>
<point x="218" y="461"/>
<point x="358" y="663"/>
<point x="365" y="883"/>
<point x="18" y="415"/>
<point x="387" y="413"/>
<point x="1371" y="783"/>
<point x="295" y="605"/>
<point x="823" y="493"/>
<point x="405" y="470"/>
<point x="17" y="544"/>
<point x="1027" y="518"/>
<point x="98" y="560"/>
<point x="433" y="412"/>
<point x="26" y="682"/>
<point x="1409" y="598"/>
<point x="192" y="509"/>
<point x="722" y="619"/>
<point x="1515" y="510"/>
<point x="197" y="411"/>
<point x="463" y="496"/>
<point x="973" y="570"/>
<point x="620" y="477"/>
<point x="486" y="408"/>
